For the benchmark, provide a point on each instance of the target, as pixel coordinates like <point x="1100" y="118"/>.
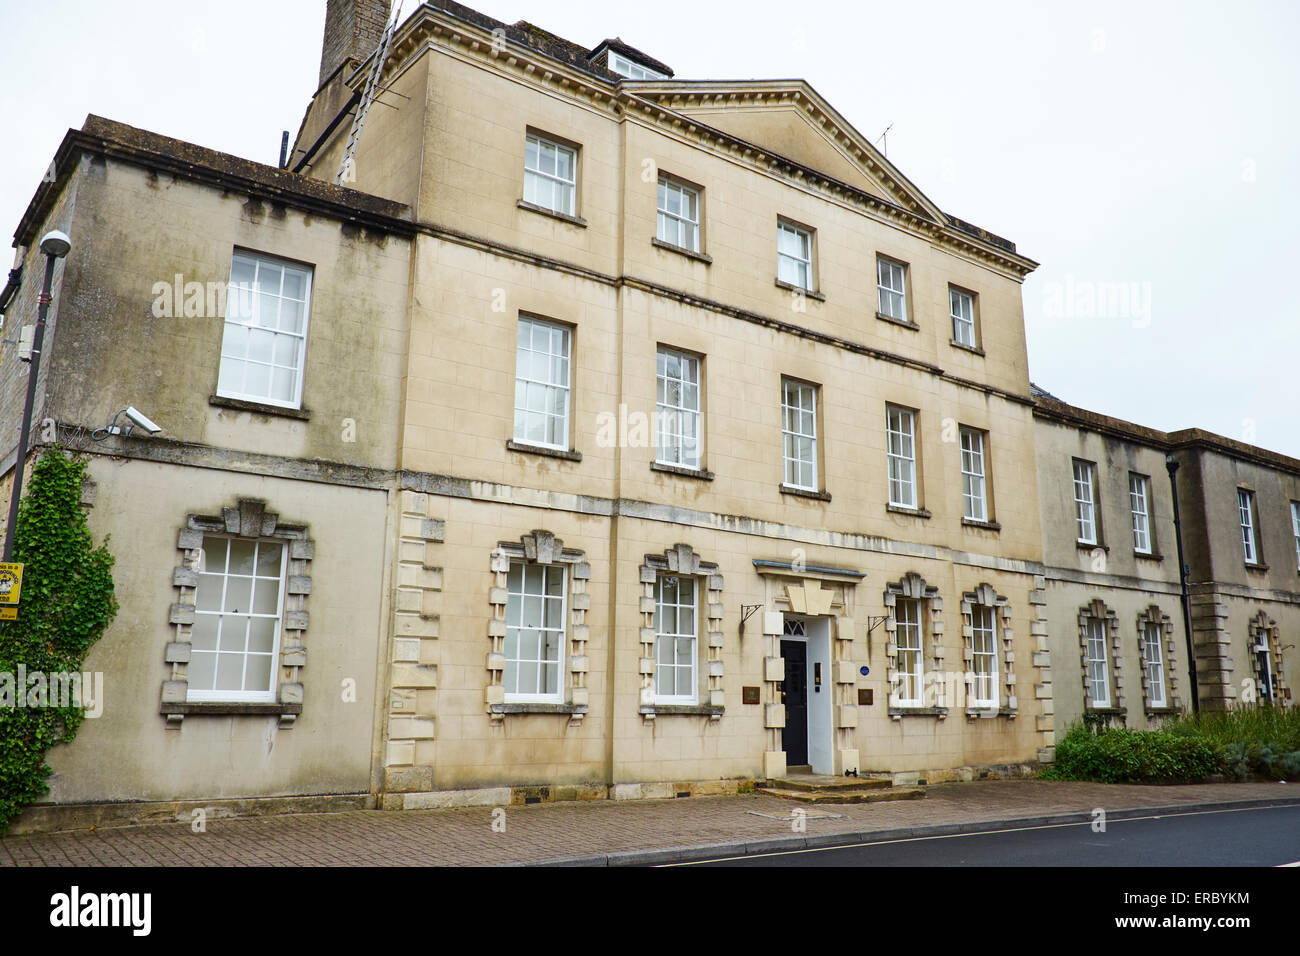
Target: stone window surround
<point x="1008" y="704"/>
<point x="540" y="547"/>
<point x="1168" y="647"/>
<point x="682" y="560"/>
<point x="248" y="519"/>
<point x="912" y="585"/>
<point x="1263" y="625"/>
<point x="1096" y="609"/>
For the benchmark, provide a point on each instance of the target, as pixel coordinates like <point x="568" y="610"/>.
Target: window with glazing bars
<point x="675" y="639"/>
<point x="679" y="215"/>
<point x="909" y="665"/>
<point x="900" y="425"/>
<point x="984" y="655"/>
<point x="1095" y="658"/>
<point x="534" y="648"/>
<point x="542" y="384"/>
<point x="974" y="502"/>
<point x="550" y="175"/>
<point x="892" y="288"/>
<point x="799" y="434"/>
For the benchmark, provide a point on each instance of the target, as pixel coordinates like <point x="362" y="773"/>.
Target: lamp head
<point x="55" y="244"/>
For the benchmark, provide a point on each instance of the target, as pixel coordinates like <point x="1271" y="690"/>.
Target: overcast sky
<point x="1146" y="153"/>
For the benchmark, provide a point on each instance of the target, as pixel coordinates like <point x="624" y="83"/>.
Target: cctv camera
<point x="142" y="420"/>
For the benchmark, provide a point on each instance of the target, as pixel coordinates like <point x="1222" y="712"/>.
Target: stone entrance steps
<point x="823" y="788"/>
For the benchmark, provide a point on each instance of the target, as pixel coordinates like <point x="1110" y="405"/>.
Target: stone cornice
<point x="1187" y="439"/>
<point x="431" y="28"/>
<point x="150" y="151"/>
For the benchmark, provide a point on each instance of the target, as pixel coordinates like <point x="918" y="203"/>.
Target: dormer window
<point x="633" y="71"/>
<point x="628" y="62"/>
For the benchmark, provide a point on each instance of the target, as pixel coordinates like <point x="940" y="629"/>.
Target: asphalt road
<point x="1264" y="836"/>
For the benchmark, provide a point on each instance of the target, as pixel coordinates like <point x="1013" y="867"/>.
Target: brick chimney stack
<point x="353" y="29"/>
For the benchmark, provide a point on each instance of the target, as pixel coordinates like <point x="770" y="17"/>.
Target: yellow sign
<point x="8" y="613"/>
<point x="11" y="583"/>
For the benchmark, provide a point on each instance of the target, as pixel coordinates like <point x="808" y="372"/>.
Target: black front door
<point x="794" y="694"/>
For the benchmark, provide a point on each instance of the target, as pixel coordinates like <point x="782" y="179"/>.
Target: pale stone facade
<point x="940" y="636"/>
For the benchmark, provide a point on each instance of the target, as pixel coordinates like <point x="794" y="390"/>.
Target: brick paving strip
<point x="603" y="832"/>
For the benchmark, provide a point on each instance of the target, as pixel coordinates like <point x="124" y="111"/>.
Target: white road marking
<point x="950" y="836"/>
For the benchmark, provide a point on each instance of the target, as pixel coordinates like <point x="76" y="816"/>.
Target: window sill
<point x="258" y="408"/>
<point x="1091" y="546"/>
<point x="902" y="510"/>
<point x="898" y="712"/>
<point x="1148" y="556"/>
<point x="973" y="349"/>
<point x="554" y="214"/>
<point x="695" y="710"/>
<point x="538" y="709"/>
<point x="986" y="525"/>
<point x="791" y="287"/>
<point x="701" y="473"/>
<point x="682" y="251"/>
<point x="231" y="707"/>
<point x="975" y="713"/>
<point x="905" y="323"/>
<point x="1106" y="711"/>
<point x="1163" y="711"/>
<point x="805" y="493"/>
<point x="526" y="449"/>
<point x="1256" y="566"/>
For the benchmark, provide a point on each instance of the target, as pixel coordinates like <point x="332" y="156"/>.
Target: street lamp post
<point x="1171" y="466"/>
<point x="55" y="245"/>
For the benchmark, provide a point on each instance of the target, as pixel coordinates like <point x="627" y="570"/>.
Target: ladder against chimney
<point x="368" y="94"/>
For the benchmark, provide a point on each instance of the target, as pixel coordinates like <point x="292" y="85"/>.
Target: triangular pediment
<point x="789" y="118"/>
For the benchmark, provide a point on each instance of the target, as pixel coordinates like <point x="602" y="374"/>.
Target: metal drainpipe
<point x="1171" y="466"/>
<point x="11" y="288"/>
<point x="20" y="458"/>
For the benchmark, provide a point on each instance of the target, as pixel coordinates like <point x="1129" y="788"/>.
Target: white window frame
<point x="677" y="424"/>
<point x="671" y="227"/>
<point x="1295" y="530"/>
<point x="247" y="317"/>
<point x="668" y="639"/>
<point x="799" y="428"/>
<point x="909" y="643"/>
<point x="1139" y="498"/>
<point x="900" y="435"/>
<point x="961" y="307"/>
<point x="630" y="69"/>
<point x="244" y="695"/>
<point x="1085" y="501"/>
<point x="526" y="383"/>
<point x="1097" y="664"/>
<point x="984" y="659"/>
<point x="973" y="491"/>
<point x="537" y="149"/>
<point x="1153" y="662"/>
<point x="1246" y="515"/>
<point x="800" y="261"/>
<point x="1263" y="661"/>
<point x="512" y="663"/>
<point x="891" y="288"/>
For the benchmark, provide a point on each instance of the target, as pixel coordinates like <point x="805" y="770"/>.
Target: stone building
<point x="614" y="435"/>
<point x="1111" y="553"/>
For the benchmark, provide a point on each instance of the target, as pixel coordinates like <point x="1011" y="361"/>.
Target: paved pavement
<point x="603" y="830"/>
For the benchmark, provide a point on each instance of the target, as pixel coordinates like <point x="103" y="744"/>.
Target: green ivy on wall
<point x="67" y="602"/>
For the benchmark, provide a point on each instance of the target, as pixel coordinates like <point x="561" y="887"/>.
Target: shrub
<point x="1130" y="756"/>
